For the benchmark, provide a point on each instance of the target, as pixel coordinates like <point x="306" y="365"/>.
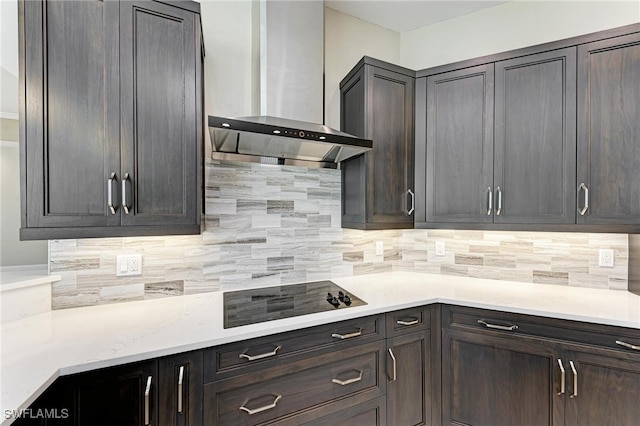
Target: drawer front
<point x="408" y="321"/>
<point x="251" y="355"/>
<point x="497" y="322"/>
<point x="280" y="392"/>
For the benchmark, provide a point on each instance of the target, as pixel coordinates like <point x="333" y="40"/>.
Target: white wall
<point x="346" y="41"/>
<point x="511" y="26"/>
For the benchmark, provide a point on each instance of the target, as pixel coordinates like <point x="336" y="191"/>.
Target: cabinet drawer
<point x="408" y="321"/>
<point x="291" y="389"/>
<point x="246" y="356"/>
<point x="496" y="322"/>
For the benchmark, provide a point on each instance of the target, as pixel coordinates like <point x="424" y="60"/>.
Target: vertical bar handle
<point x="584" y="209"/>
<point x="499" y="191"/>
<point x="180" y="390"/>
<point x="413" y="202"/>
<point x="575" y="380"/>
<point x="395" y="371"/>
<point x="125" y="206"/>
<point x="112" y="208"/>
<point x="490" y="209"/>
<point x="562" y="378"/>
<point x="147" y="394"/>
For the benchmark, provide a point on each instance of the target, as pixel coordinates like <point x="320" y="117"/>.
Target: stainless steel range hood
<point x="288" y="92"/>
<point x="275" y="140"/>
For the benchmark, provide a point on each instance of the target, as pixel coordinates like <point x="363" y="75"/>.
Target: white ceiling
<point x="406" y="15"/>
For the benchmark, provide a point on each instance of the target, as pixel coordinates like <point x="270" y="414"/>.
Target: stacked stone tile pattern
<point x="268" y="225"/>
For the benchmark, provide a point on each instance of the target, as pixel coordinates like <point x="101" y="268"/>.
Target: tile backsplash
<point x="267" y="225"/>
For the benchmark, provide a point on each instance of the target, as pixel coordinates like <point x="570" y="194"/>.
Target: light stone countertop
<point x="38" y="349"/>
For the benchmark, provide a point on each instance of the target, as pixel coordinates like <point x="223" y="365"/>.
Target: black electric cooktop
<point x="250" y="306"/>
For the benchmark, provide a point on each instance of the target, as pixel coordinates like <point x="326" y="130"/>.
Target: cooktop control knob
<point x="333" y="300"/>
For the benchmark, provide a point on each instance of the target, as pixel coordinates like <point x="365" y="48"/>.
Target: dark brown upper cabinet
<point x="110" y="118"/>
<point x="535" y="139"/>
<point x="500" y="142"/>
<point x="608" y="184"/>
<point x="377" y="102"/>
<point x="456" y="173"/>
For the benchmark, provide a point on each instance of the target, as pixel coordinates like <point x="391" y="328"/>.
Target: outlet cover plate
<point x="128" y="265"/>
<point x="605" y="258"/>
<point x="440" y="248"/>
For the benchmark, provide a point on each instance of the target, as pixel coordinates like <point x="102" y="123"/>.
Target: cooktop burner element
<point x="250" y="306"/>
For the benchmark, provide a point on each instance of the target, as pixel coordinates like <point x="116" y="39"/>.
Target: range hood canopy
<point x="287" y="94"/>
<point x="274" y="140"/>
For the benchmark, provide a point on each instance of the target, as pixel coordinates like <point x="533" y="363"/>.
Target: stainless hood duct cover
<point x="280" y="141"/>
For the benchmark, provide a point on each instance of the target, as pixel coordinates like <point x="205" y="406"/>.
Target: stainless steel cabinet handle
<point x="490" y="201"/>
<point x="410" y="322"/>
<point x="112" y="208"/>
<point x="413" y="202"/>
<point x="498" y="326"/>
<point x="575" y="380"/>
<point x="348" y="381"/>
<point x="261" y="409"/>
<point x="499" y="191"/>
<point x="180" y="378"/>
<point x="147" y="394"/>
<point x="125" y="206"/>
<point x="562" y="377"/>
<point x="347" y="336"/>
<point x="584" y="209"/>
<point x="264" y="355"/>
<point x="628" y="345"/>
<point x="395" y="371"/>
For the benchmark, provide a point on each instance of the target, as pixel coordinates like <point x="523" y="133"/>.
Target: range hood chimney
<point x="289" y="99"/>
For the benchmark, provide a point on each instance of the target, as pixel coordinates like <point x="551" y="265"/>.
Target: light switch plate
<point x="128" y="265"/>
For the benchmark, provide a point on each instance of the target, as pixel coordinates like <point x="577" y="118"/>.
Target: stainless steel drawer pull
<point x="410" y="322"/>
<point x="395" y="371"/>
<point x="575" y="380"/>
<point x="499" y="191"/>
<point x="348" y="381"/>
<point x="347" y="336"/>
<point x="562" y="378"/>
<point x="498" y="326"/>
<point x="147" y="397"/>
<point x="125" y="206"/>
<point x="490" y="201"/>
<point x="628" y="345"/>
<point x="180" y="379"/>
<point x="584" y="209"/>
<point x="264" y="355"/>
<point x="261" y="409"/>
<point x="112" y="208"/>
<point x="413" y="202"/>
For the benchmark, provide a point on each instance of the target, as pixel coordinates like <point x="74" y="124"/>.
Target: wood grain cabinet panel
<point x="609" y="131"/>
<point x="377" y="103"/>
<point x="111" y="118"/>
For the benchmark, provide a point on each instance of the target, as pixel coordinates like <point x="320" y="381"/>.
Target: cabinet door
<point x="459" y="138"/>
<point x="69" y="113"/>
<point x="124" y="396"/>
<point x="609" y="131"/>
<point x="499" y="381"/>
<point x="180" y="384"/>
<point x="409" y="376"/>
<point x="606" y="389"/>
<point x="535" y="138"/>
<point x="389" y="124"/>
<point x="160" y="128"/>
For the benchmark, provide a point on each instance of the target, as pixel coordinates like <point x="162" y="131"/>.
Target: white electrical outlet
<point x="128" y="265"/>
<point x="605" y="258"/>
<point x="440" y="248"/>
<point x="379" y="248"/>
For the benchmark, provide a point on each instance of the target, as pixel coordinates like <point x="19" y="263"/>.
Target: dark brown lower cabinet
<point x="409" y="375"/>
<point x="496" y="381"/>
